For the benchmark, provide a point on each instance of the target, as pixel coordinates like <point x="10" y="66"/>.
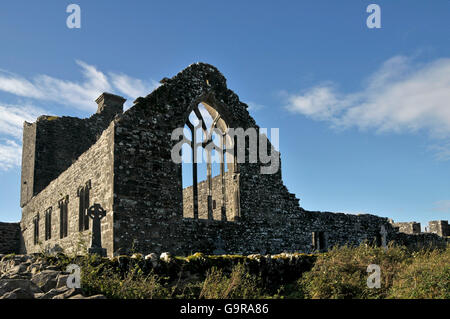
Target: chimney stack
<point x="110" y="104"/>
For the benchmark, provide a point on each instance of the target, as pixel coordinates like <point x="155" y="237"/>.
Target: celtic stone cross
<point x="96" y="213"/>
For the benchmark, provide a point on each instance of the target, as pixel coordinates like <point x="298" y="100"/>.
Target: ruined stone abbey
<point x="122" y="161"/>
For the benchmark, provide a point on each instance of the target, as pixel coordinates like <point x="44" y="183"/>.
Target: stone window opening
<point x="205" y="164"/>
<point x="48" y="223"/>
<point x="319" y="241"/>
<point x="63" y="216"/>
<point x="83" y="194"/>
<point x="36" y="229"/>
<point x="378" y="240"/>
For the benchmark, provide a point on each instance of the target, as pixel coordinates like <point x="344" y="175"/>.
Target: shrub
<point x="134" y="284"/>
<point x="427" y="276"/>
<point x="339" y="273"/>
<point x="239" y="284"/>
<point x="342" y="272"/>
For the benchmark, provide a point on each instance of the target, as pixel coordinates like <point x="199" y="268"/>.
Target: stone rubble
<point x="30" y="277"/>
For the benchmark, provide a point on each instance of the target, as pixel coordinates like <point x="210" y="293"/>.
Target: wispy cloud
<point x="10" y="154"/>
<point x="11" y="123"/>
<point x="45" y="88"/>
<point x="442" y="206"/>
<point x="13" y="116"/>
<point x="131" y="86"/>
<point x="401" y="96"/>
<point x="252" y="106"/>
<point x="80" y="95"/>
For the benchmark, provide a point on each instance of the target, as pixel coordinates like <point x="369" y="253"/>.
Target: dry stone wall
<point x="9" y="238"/>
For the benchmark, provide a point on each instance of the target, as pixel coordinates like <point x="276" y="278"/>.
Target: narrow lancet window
<point x="48" y="223"/>
<point x="83" y="218"/>
<point x="36" y="230"/>
<point x="63" y="216"/>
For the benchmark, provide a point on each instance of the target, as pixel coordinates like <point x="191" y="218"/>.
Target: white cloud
<point x="10" y="154"/>
<point x="399" y="97"/>
<point x="80" y="95"/>
<point x="132" y="86"/>
<point x="13" y="116"/>
<point x="44" y="87"/>
<point x="19" y="86"/>
<point x="252" y="106"/>
<point x="11" y="123"/>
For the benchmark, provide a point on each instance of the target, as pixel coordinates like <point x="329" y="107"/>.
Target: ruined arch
<point x="155" y="116"/>
<point x="216" y="197"/>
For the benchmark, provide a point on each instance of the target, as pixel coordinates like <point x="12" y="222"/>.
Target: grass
<point x="342" y="273"/>
<point x="337" y="274"/>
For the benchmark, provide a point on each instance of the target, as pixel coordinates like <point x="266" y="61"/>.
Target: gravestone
<point x="96" y="212"/>
<point x="383" y="234"/>
<point x="220" y="245"/>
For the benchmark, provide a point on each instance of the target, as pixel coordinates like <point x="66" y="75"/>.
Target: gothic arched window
<point x="206" y="169"/>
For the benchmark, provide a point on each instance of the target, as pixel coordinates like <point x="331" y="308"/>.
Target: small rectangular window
<point x="48" y="224"/>
<point x="86" y="205"/>
<point x="319" y="241"/>
<point x="378" y="240"/>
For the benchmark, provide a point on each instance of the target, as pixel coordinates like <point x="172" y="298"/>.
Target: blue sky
<point x="364" y="114"/>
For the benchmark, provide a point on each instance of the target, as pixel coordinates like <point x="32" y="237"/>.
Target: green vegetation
<point x="342" y="273"/>
<point x="336" y="274"/>
<point x="426" y="276"/>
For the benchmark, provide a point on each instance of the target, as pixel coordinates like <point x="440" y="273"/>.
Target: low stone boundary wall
<point x="9" y="238"/>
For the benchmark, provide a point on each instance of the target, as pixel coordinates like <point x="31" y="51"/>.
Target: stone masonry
<point x="9" y="238"/>
<point x="122" y="161"/>
<point x="439" y="227"/>
<point x="408" y="227"/>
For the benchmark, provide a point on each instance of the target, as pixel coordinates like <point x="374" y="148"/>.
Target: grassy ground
<point x="339" y="273"/>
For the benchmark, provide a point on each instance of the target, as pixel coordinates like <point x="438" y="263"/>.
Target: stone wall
<point x="148" y="206"/>
<point x="148" y="187"/>
<point x="52" y="144"/>
<point x="96" y="166"/>
<point x="9" y="238"/>
<point x="422" y="240"/>
<point x="134" y="178"/>
<point x="216" y="181"/>
<point x="408" y="227"/>
<point x="28" y="162"/>
<point x="439" y="227"/>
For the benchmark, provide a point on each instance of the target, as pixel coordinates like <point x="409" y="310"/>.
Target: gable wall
<point x="148" y="185"/>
